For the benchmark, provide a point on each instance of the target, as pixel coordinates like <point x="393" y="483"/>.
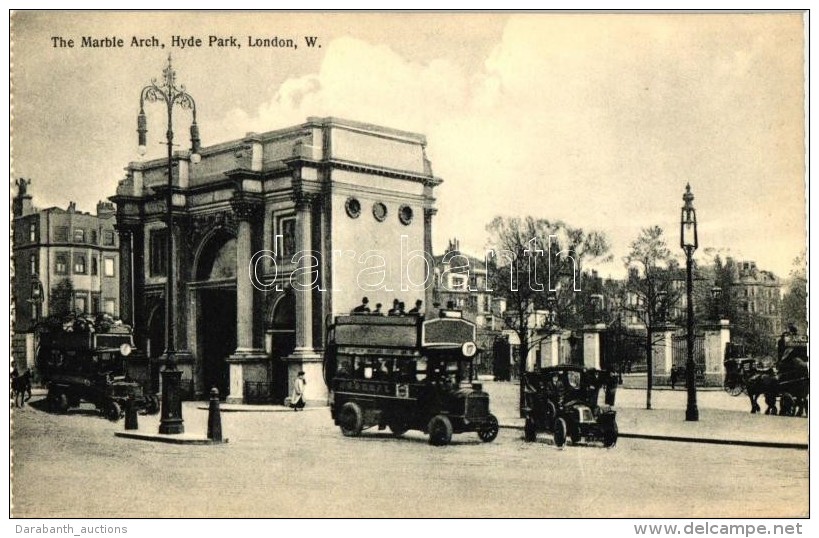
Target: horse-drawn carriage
<point x="787" y="379"/>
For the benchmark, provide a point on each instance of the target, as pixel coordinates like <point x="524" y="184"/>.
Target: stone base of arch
<point x="311" y="363"/>
<point x="246" y="365"/>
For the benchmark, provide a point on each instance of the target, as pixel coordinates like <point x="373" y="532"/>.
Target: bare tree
<point x="530" y="258"/>
<point x="649" y="289"/>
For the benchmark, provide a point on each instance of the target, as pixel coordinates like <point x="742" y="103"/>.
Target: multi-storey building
<point x="53" y="244"/>
<point x="461" y="279"/>
<point x="758" y="294"/>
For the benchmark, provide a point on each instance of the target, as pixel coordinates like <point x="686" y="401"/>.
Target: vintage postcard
<point x="409" y="265"/>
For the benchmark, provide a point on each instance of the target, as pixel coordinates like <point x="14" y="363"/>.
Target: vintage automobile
<point x="563" y="400"/>
<point x="84" y="365"/>
<point x="406" y="373"/>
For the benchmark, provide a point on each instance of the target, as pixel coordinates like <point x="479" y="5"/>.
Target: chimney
<point x="105" y="209"/>
<point x="22" y="205"/>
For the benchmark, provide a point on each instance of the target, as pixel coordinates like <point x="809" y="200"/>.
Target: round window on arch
<point x="353" y="207"/>
<point x="379" y="211"/>
<point x="405" y="215"/>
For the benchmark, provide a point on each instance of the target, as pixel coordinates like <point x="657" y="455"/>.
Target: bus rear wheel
<point x="440" y="430"/>
<point x="351" y="419"/>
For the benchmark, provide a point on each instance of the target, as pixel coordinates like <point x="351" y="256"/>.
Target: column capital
<point x="306" y="200"/>
<point x="246" y="207"/>
<point x="430" y="212"/>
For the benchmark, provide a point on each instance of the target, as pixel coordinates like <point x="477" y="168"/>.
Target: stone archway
<point x="215" y="282"/>
<point x="281" y="331"/>
<point x="155" y="343"/>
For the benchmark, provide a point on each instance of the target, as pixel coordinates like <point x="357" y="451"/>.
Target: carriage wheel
<point x="733" y="388"/>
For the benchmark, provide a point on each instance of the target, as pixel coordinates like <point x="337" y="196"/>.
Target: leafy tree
<point x="60" y="303"/>
<point x="649" y="288"/>
<point x="529" y="258"/>
<point x="795" y="300"/>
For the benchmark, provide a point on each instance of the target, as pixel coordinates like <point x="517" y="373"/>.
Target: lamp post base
<point x="171" y="421"/>
<point x="692" y="414"/>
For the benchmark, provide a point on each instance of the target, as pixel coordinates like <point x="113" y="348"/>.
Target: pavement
<point x="723" y="419"/>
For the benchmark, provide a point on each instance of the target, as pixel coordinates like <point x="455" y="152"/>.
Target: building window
<point x="79" y="264"/>
<point x="457" y="282"/>
<point x="61" y="234"/>
<point x="94" y="266"/>
<point x="80" y="303"/>
<point x="159" y="252"/>
<point x="110" y="306"/>
<point x="93" y="237"/>
<point x="286" y="229"/>
<point x="108" y="238"/>
<point x="108" y="266"/>
<point x="61" y="264"/>
<point x="79" y="235"/>
<point x="32" y="232"/>
<point x="95" y="305"/>
<point x="32" y="260"/>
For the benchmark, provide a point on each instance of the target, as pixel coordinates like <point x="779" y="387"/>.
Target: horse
<point x="763" y="382"/>
<point x="789" y="381"/>
<point x="21" y="388"/>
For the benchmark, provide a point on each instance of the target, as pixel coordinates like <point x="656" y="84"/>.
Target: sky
<point x="599" y="120"/>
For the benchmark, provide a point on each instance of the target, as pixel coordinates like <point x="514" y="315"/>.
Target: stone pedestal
<point x="662" y="353"/>
<point x="551" y="349"/>
<point x="245" y="366"/>
<point x="591" y="345"/>
<point x="717" y="336"/>
<point x="312" y="364"/>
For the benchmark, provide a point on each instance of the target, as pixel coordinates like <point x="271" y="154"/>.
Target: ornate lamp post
<point x="168" y="93"/>
<point x="596" y="306"/>
<point x="689" y="243"/>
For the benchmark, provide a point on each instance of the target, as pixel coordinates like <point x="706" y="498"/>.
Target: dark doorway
<point x="217" y="327"/>
<point x="283" y="332"/>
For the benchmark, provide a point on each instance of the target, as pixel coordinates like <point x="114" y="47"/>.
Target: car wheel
<point x="152" y="405"/>
<point x="113" y="411"/>
<point x="398" y="428"/>
<point x="489" y="431"/>
<point x="610" y="436"/>
<point x="440" y="430"/>
<point x="351" y="419"/>
<point x="560" y="432"/>
<point x="61" y="402"/>
<point x="529" y="430"/>
<point x="551" y="413"/>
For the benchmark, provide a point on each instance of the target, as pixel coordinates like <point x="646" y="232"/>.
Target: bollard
<point x="214" y="418"/>
<point x="131" y="422"/>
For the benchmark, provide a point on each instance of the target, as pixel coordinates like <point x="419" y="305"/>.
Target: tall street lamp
<point x="168" y="93"/>
<point x="689" y="243"/>
<point x="716" y="300"/>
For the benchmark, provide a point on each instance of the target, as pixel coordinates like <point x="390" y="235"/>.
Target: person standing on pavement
<point x="297" y="398"/>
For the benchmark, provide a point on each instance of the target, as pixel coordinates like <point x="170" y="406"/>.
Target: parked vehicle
<point x="87" y="366"/>
<point x="406" y="373"/>
<point x="563" y="401"/>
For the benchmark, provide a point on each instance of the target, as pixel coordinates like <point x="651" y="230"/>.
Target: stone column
<point x="591" y="345"/>
<point x="305" y="357"/>
<point x="662" y="353"/>
<point x="126" y="272"/>
<point x="247" y="363"/>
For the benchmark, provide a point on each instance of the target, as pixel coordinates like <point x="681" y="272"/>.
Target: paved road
<point x="298" y="464"/>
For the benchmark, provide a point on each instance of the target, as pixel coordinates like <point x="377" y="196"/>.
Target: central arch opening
<point x="216" y="315"/>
